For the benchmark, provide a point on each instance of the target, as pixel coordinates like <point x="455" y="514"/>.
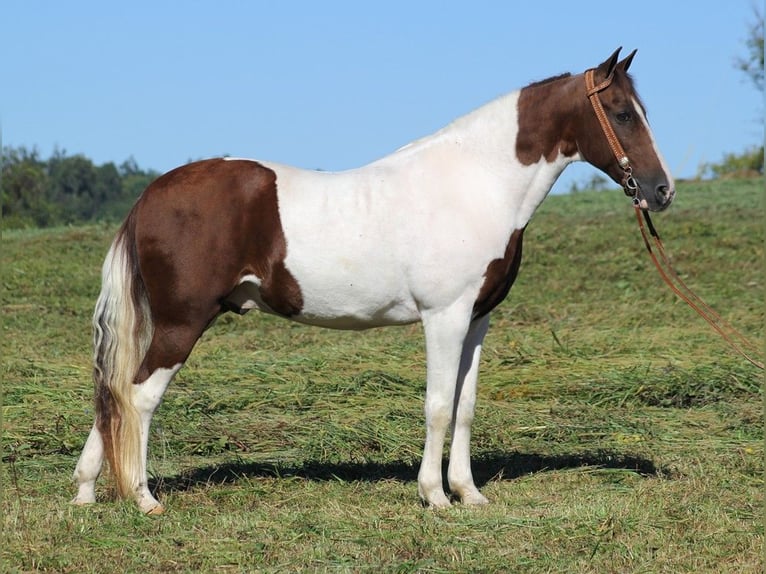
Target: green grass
<point x="615" y="432"/>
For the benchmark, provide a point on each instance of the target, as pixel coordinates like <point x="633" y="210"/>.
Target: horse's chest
<point x="500" y="275"/>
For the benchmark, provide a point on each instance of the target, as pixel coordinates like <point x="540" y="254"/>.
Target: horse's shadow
<point x="495" y="466"/>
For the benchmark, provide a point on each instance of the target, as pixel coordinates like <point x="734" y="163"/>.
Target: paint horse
<point x="431" y="233"/>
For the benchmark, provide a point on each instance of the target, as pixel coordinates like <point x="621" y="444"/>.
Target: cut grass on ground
<point x="614" y="431"/>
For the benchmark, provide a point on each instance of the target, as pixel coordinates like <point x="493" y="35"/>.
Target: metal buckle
<point x="629" y="183"/>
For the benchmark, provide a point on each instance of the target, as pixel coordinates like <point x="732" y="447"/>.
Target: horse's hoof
<point x="155" y="510"/>
<point x="438" y="502"/>
<point x="475" y="499"/>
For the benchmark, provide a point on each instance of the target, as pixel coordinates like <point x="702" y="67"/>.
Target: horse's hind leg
<point x="167" y="353"/>
<point x="146" y="398"/>
<point x="88" y="468"/>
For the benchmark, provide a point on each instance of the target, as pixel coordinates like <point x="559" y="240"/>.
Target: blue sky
<point x="335" y="84"/>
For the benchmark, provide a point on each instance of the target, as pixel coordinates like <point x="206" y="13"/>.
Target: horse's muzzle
<point x="658" y="199"/>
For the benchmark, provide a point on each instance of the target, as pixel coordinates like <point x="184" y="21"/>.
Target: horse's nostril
<point x="662" y="191"/>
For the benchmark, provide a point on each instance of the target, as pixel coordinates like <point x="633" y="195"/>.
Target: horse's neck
<point x="489" y="135"/>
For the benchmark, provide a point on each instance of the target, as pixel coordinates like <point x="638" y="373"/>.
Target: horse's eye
<point x="624" y="117"/>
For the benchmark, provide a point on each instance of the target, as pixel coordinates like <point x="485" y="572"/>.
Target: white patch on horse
<point x="88" y="468"/>
<point x="146" y="398"/>
<point x="380" y="244"/>
<point x="668" y="175"/>
<point x="247" y="295"/>
<point x="232" y="158"/>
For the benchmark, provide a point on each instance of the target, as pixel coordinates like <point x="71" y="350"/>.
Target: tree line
<point x="65" y="189"/>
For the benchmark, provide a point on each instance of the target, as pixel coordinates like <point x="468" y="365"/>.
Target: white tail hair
<point x="122" y="331"/>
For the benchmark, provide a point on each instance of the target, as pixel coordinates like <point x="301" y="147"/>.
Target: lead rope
<point x="725" y="329"/>
<point x="734" y="338"/>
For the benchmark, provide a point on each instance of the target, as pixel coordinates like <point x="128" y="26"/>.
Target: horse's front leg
<point x="459" y="474"/>
<point x="445" y="331"/>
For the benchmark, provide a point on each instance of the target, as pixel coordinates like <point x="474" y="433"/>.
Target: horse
<point x="431" y="233"/>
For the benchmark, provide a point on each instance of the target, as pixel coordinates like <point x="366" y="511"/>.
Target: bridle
<point x="629" y="184"/>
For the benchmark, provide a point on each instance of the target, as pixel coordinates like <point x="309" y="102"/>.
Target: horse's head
<point x="615" y="135"/>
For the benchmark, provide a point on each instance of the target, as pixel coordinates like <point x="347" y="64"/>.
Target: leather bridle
<point x="628" y="182"/>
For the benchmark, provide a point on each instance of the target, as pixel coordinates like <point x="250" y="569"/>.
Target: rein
<point x="734" y="338"/>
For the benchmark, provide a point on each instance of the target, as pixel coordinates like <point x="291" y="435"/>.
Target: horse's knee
<point x="464" y="413"/>
<point x="438" y="413"/>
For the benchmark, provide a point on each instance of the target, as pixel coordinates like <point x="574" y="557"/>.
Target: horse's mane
<point x="627" y="77"/>
<point x="549" y="80"/>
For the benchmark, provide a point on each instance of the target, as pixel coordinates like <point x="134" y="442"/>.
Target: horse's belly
<point x="349" y="302"/>
<point x="331" y="304"/>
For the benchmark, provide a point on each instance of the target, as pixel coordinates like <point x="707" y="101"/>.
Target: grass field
<point x="615" y="432"/>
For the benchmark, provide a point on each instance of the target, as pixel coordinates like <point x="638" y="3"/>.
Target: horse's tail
<point x="122" y="331"/>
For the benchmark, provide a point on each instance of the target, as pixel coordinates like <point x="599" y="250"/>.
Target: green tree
<point x="135" y="179"/>
<point x="108" y="189"/>
<point x="74" y="183"/>
<point x="752" y="63"/>
<point x="748" y="163"/>
<point x="66" y="189"/>
<point x="23" y="189"/>
<point x="134" y="182"/>
<point x="596" y="182"/>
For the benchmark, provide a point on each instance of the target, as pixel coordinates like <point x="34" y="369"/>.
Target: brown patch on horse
<point x="198" y="230"/>
<point x="500" y="275"/>
<point x="545" y="120"/>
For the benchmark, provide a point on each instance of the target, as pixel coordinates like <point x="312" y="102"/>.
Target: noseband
<point x="628" y="182"/>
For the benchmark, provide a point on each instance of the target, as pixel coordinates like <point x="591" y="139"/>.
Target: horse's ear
<point x="625" y="64"/>
<point x="606" y="68"/>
